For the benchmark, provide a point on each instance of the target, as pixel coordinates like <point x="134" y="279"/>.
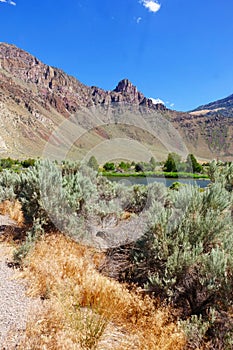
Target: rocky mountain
<point x="42" y="110"/>
<point x="223" y="107"/>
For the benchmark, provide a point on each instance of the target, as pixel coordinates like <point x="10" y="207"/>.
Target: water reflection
<point x="130" y="180"/>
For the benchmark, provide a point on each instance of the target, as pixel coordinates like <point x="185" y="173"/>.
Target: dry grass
<point x="126" y="215"/>
<point x="14" y="210"/>
<point x="85" y="310"/>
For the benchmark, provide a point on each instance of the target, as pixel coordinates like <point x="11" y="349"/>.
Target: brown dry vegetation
<point x="14" y="210"/>
<point x="86" y="310"/>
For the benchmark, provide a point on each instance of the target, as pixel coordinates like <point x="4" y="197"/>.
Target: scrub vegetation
<point x="169" y="288"/>
<point x="172" y="167"/>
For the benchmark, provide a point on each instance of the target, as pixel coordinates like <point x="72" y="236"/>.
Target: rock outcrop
<point x="36" y="98"/>
<point x="59" y="90"/>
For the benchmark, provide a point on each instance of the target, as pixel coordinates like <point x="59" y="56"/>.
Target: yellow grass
<point x="86" y="310"/>
<point x="14" y="210"/>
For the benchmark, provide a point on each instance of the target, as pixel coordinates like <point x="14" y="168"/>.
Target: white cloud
<point x="10" y="2"/>
<point x="170" y="104"/>
<point x="138" y="20"/>
<point x="151" y="5"/>
<point x="157" y="101"/>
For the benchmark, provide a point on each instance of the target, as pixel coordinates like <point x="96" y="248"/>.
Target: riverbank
<point x="170" y="175"/>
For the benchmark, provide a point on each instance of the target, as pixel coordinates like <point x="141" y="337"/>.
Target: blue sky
<point x="178" y="50"/>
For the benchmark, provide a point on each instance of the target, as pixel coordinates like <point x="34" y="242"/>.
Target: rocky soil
<point x="15" y="305"/>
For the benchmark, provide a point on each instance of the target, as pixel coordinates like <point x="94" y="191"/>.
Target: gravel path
<point x="14" y="304"/>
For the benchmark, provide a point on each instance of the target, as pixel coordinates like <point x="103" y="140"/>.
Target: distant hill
<point x="41" y="105"/>
<point x="223" y="107"/>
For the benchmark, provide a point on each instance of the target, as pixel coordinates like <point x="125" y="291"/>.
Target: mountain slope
<point x="43" y="110"/>
<point x="222" y="107"/>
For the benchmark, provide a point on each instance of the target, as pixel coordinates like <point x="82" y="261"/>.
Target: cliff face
<point x="36" y="98"/>
<point x="59" y="90"/>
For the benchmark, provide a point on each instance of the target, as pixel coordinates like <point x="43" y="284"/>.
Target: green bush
<point x="32" y="236"/>
<point x="29" y="194"/>
<point x="124" y="166"/>
<point x="139" y="167"/>
<point x="187" y="241"/>
<point x="67" y="197"/>
<point x="51" y="194"/>
<point x="172" y="163"/>
<point x="176" y="186"/>
<point x="192" y="164"/>
<point x="28" y="163"/>
<point x="92" y="163"/>
<point x="9" y="185"/>
<point x="109" y="166"/>
<point x="132" y="198"/>
<point x="8" y="163"/>
<point x="186" y="254"/>
<point x="152" y="163"/>
<point x="222" y="174"/>
<point x="195" y="329"/>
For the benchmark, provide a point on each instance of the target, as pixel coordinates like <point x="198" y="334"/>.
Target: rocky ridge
<point x="36" y="98"/>
<point x="223" y="107"/>
<point x="59" y="90"/>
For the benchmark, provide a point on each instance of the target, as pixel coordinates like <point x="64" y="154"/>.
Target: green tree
<point x="172" y="163"/>
<point x="92" y="163"/>
<point x="193" y="165"/>
<point x="152" y="163"/>
<point x="124" y="166"/>
<point x="139" y="167"/>
<point x="28" y="162"/>
<point x="109" y="166"/>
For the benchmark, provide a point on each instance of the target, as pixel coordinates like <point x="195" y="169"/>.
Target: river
<point x="130" y="180"/>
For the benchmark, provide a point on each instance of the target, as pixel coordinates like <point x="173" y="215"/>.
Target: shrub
<point x="187" y="242"/>
<point x="68" y="198"/>
<point x="132" y="198"/>
<point x="153" y="163"/>
<point x="192" y="164"/>
<point x="7" y="163"/>
<point x="176" y="186"/>
<point x="139" y="167"/>
<point x="186" y="254"/>
<point x="109" y="167"/>
<point x="124" y="166"/>
<point x="28" y="163"/>
<point x="32" y="236"/>
<point x="9" y="185"/>
<point x="92" y="163"/>
<point x="69" y="167"/>
<point x="195" y="329"/>
<point x="222" y="174"/>
<point x="172" y="163"/>
<point x="29" y="194"/>
<point x="53" y="195"/>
